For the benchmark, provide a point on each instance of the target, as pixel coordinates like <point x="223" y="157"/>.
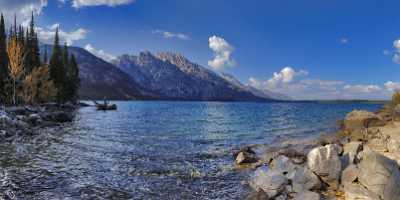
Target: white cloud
<point x="357" y="89"/>
<point x="286" y="75"/>
<point x="171" y="35"/>
<point x="111" y="3"/>
<point x="294" y="83"/>
<point x="386" y="52"/>
<point x="100" y="53"/>
<point x="392" y="86"/>
<point x="396" y="53"/>
<point x="21" y="8"/>
<point x="344" y="40"/>
<point x="222" y="53"/>
<point x="46" y="35"/>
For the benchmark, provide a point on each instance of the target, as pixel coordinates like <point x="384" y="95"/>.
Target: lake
<point x="156" y="150"/>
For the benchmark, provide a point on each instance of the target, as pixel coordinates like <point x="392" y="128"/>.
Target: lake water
<point x="156" y="150"/>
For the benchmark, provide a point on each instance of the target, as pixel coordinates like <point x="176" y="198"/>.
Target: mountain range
<point x="161" y="76"/>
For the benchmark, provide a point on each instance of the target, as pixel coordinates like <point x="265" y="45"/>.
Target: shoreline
<point x="26" y="120"/>
<point x="347" y="164"/>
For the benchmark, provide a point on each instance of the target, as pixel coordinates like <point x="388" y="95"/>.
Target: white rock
<point x="324" y="162"/>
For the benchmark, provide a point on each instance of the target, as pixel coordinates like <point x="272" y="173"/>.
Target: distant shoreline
<point x="266" y="101"/>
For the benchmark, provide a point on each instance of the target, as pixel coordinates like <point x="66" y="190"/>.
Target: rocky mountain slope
<point x="172" y="76"/>
<point x="257" y="92"/>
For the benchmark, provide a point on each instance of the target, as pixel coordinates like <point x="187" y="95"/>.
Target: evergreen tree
<point x="32" y="47"/>
<point x="73" y="82"/>
<point x="4" y="73"/>
<point x="65" y="57"/>
<point x="57" y="71"/>
<point x="45" y="55"/>
<point x="20" y="35"/>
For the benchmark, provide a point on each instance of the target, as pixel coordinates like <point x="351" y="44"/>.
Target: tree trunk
<point x="14" y="101"/>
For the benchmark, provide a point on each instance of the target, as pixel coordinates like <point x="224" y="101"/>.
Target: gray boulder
<point x="269" y="181"/>
<point x="34" y="119"/>
<point x="284" y="166"/>
<point x="380" y="175"/>
<point x="61" y="117"/>
<point x="305" y="179"/>
<point x="360" y="119"/>
<point x="307" y="195"/>
<point x="358" y="192"/>
<point x="350" y="152"/>
<point x="349" y="175"/>
<point x="324" y="162"/>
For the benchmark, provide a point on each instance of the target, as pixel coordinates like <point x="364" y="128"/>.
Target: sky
<point x="307" y="49"/>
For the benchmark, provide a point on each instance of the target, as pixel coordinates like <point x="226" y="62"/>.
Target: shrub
<point x="396" y="98"/>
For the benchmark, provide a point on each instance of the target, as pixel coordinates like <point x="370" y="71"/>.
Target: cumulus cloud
<point x="100" y="53"/>
<point x="110" y="3"/>
<point x="46" y="35"/>
<point x="296" y="84"/>
<point x="171" y="35"/>
<point x="222" y="53"/>
<point x="344" y="40"/>
<point x="396" y="52"/>
<point x="286" y="75"/>
<point x="392" y="86"/>
<point x="357" y="89"/>
<point x="21" y="8"/>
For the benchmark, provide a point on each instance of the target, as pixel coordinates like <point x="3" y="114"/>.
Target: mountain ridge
<point x="172" y="76"/>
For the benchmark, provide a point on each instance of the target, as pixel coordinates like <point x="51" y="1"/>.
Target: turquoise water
<point x="159" y="150"/>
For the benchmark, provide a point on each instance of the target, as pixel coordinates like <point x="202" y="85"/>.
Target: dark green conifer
<point x="32" y="47"/>
<point x="3" y="61"/>
<point x="73" y="82"/>
<point x="45" y="55"/>
<point x="57" y="71"/>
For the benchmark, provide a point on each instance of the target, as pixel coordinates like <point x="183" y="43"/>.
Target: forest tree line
<point x="26" y="77"/>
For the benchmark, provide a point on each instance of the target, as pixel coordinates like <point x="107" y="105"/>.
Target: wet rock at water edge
<point x="360" y="119"/>
<point x="296" y="156"/>
<point x="269" y="181"/>
<point x="34" y="119"/>
<point x="246" y="158"/>
<point x="258" y="195"/>
<point x="61" y="117"/>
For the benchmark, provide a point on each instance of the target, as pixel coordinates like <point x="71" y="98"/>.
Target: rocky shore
<point x="359" y="162"/>
<point x="21" y="121"/>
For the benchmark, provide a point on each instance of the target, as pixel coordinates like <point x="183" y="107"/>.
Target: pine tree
<point x="57" y="71"/>
<point x="73" y="82"/>
<point x="45" y="55"/>
<point x="4" y="73"/>
<point x="32" y="47"/>
<point x="65" y="57"/>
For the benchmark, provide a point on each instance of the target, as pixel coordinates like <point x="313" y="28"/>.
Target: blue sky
<point x="308" y="49"/>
